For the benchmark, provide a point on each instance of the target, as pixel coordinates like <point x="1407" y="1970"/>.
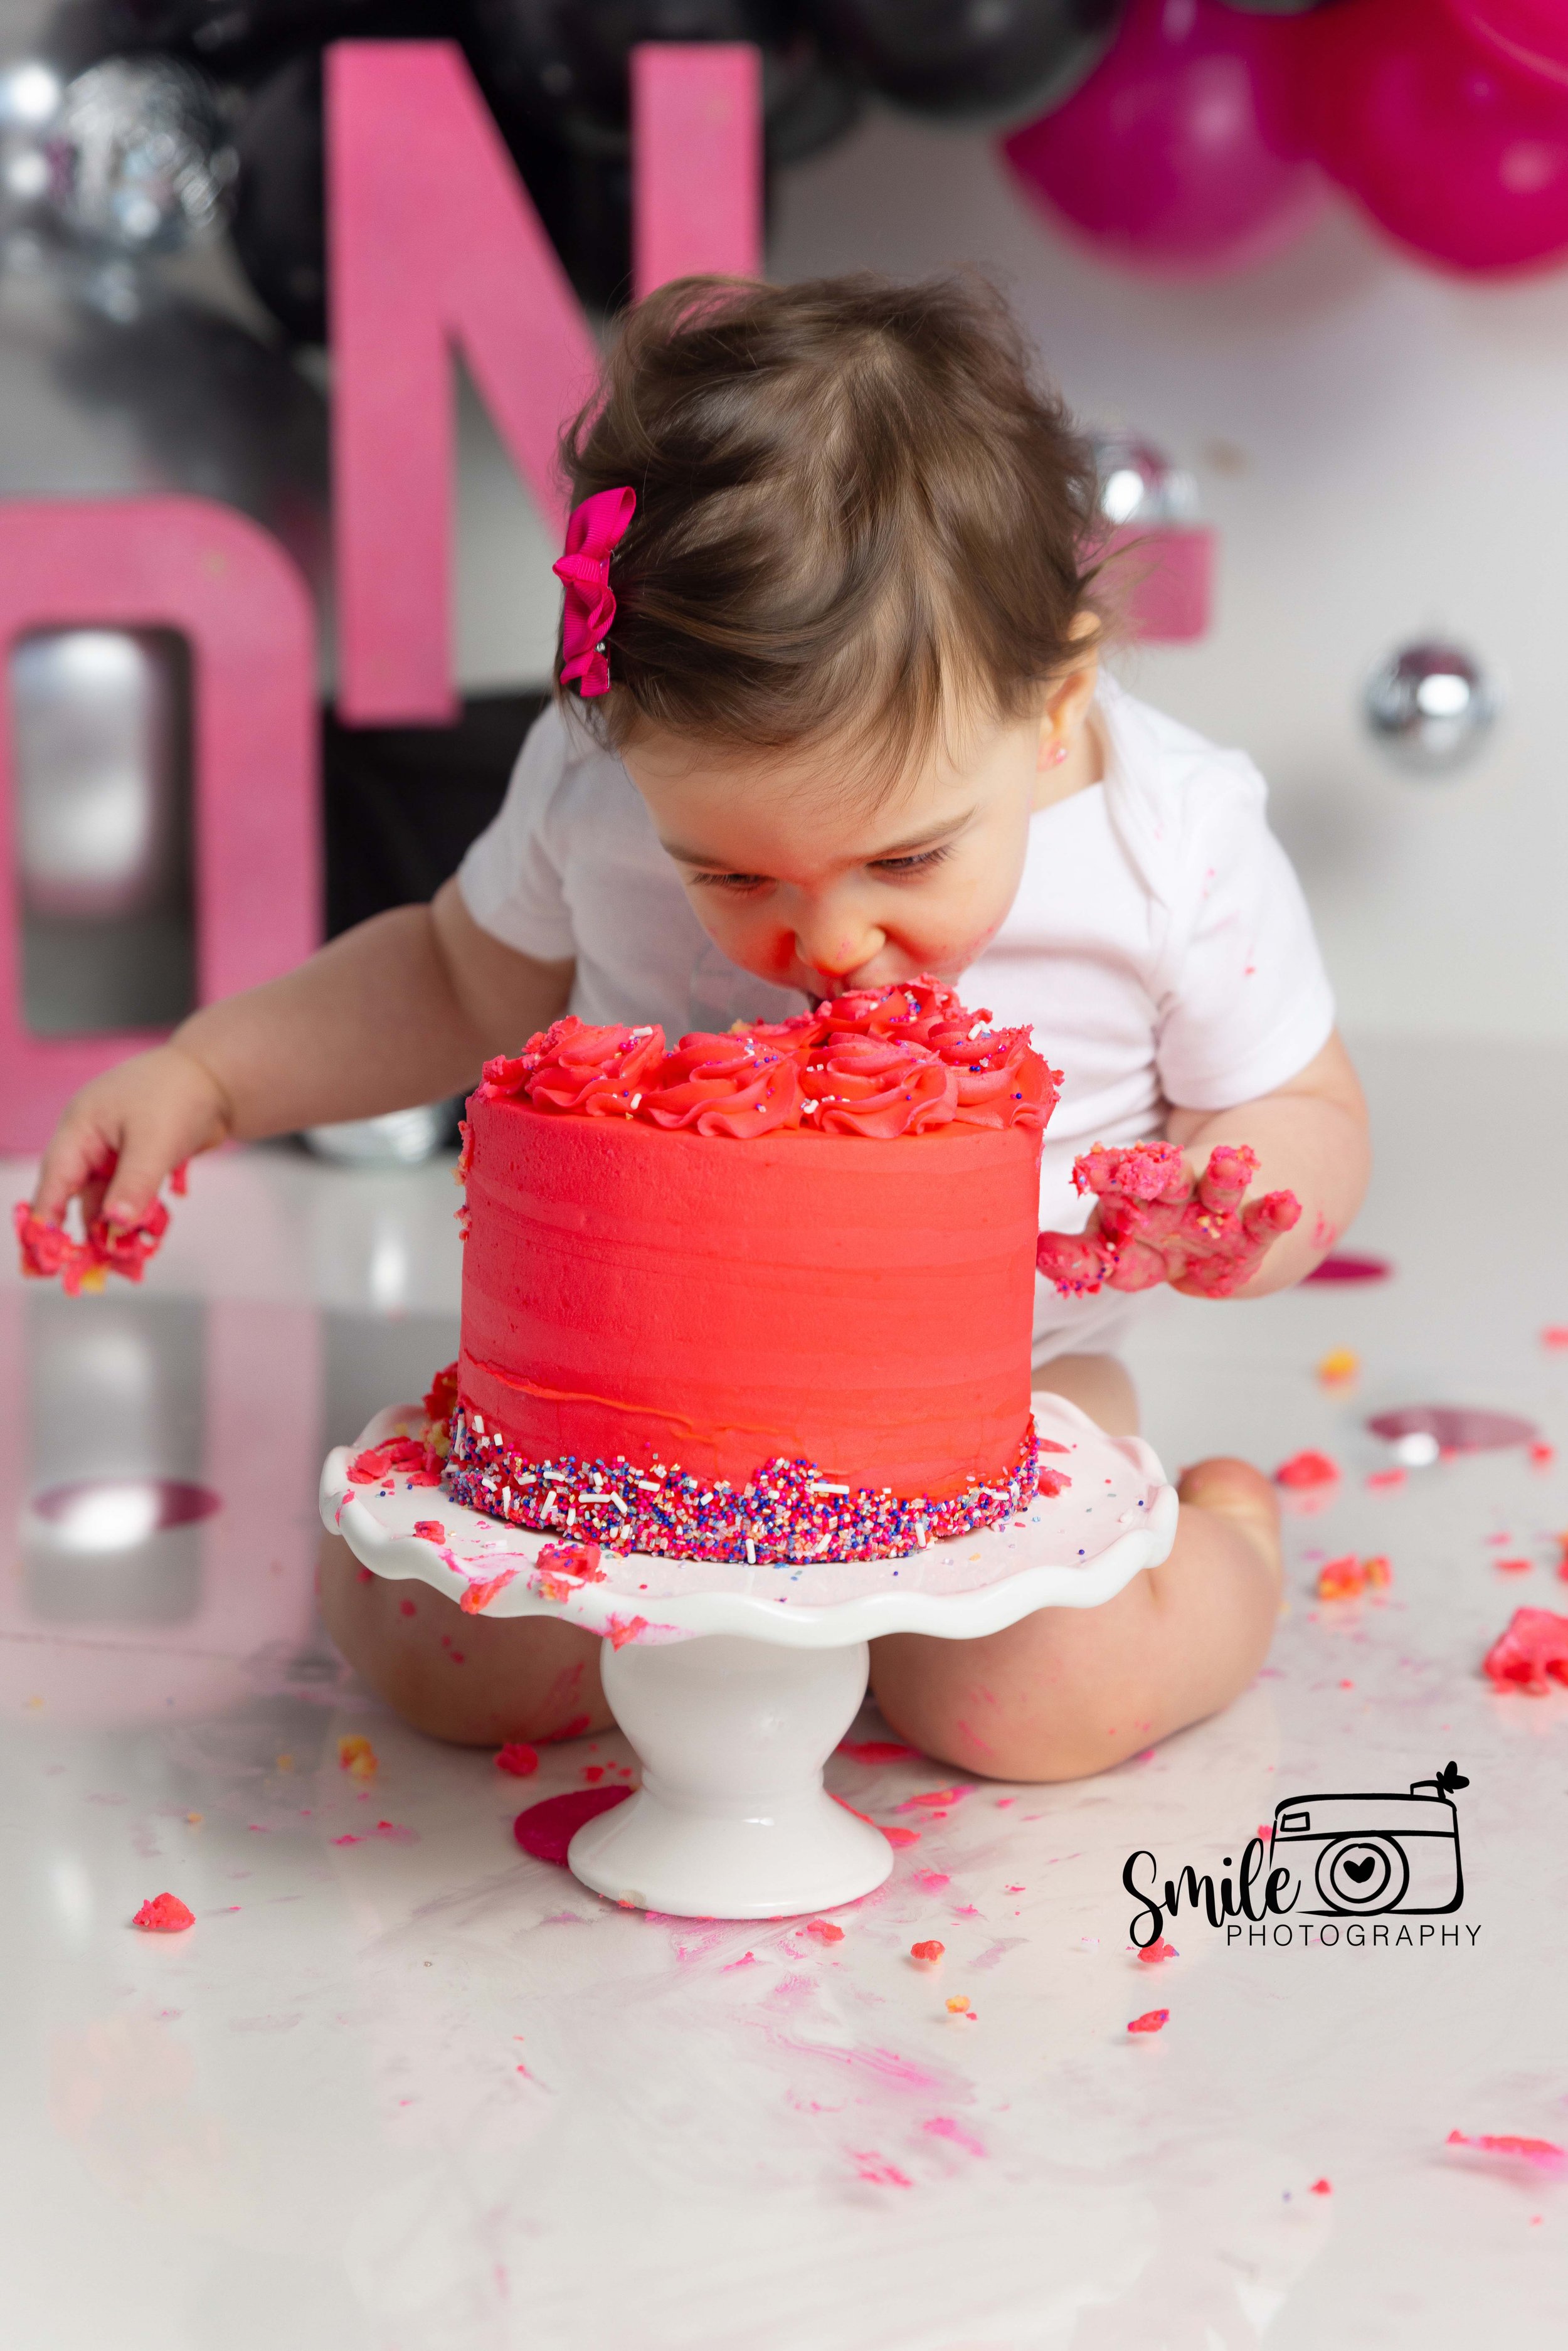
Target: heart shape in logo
<point x="1360" y="1870"/>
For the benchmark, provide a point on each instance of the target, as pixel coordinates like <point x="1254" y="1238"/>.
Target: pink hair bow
<point x="594" y="531"/>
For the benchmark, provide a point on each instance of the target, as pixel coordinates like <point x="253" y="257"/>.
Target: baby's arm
<point x="402" y="1009"/>
<point x="1158" y="1220"/>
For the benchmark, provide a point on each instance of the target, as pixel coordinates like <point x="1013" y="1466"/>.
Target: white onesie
<point x="1159" y="942"/>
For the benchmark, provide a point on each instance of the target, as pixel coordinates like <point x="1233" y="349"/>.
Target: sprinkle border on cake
<point x="789" y="1513"/>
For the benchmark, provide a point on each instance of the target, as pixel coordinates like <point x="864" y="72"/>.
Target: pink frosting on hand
<point x="1154" y="1223"/>
<point x="47" y="1251"/>
<point x="870" y="1085"/>
<point x="725" y="1085"/>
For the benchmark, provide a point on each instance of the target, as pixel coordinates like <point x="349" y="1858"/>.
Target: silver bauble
<point x="139" y="157"/>
<point x="1139" y="487"/>
<point x="1430" y="706"/>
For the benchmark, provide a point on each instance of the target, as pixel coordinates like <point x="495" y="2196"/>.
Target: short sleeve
<point x="1245" y="1002"/>
<point x="511" y="878"/>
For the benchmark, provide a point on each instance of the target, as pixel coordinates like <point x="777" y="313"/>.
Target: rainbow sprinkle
<point x="789" y="1513"/>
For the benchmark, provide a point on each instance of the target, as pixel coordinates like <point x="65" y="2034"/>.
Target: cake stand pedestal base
<point x="736" y="1680"/>
<point x="732" y="1820"/>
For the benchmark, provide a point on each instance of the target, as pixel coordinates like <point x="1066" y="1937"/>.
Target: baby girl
<point x="829" y="714"/>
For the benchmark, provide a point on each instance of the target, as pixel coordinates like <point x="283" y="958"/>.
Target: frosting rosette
<point x="731" y="1085"/>
<point x="1002" y="1080"/>
<point x="882" y="1061"/>
<point x="596" y="1072"/>
<point x="919" y="1011"/>
<point x="879" y="1086"/>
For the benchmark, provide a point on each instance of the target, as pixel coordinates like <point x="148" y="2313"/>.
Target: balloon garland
<point x="1193" y="147"/>
<point x="1173" y="138"/>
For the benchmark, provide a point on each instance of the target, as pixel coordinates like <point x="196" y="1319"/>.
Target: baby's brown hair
<point x="856" y="510"/>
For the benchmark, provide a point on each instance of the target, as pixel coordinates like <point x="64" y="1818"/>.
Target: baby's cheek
<point x="754" y="941"/>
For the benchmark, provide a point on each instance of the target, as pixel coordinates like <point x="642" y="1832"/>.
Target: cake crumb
<point x="164" y="1914"/>
<point x="357" y="1757"/>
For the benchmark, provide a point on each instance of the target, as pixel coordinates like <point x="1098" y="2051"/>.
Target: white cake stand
<point x="734" y="1684"/>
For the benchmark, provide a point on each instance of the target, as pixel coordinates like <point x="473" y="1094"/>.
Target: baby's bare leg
<point x="475" y="1679"/>
<point x="1071" y="1690"/>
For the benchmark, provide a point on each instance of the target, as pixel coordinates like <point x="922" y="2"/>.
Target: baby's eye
<point x="921" y="861"/>
<point x="739" y="884"/>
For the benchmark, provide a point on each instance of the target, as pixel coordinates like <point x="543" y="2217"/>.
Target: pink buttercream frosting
<point x="880" y="1062"/>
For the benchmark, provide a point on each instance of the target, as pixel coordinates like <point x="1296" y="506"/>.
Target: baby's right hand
<point x="125" y="1131"/>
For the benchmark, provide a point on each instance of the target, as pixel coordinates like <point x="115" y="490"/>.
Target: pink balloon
<point x="1175" y="158"/>
<point x="1452" y="151"/>
<point x="1530" y="32"/>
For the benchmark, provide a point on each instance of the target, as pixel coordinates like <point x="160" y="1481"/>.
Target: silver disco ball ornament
<point x="139" y="159"/>
<point x="1430" y="707"/>
<point x="1139" y="486"/>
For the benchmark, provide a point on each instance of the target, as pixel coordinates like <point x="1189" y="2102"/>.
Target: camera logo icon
<point x="1364" y="1856"/>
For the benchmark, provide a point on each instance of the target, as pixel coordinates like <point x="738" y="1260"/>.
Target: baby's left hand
<point x="1153" y="1223"/>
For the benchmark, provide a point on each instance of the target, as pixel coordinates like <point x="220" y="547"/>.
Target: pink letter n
<point x="434" y="244"/>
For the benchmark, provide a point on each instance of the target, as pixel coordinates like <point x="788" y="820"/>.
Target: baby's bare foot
<point x="1235" y="1491"/>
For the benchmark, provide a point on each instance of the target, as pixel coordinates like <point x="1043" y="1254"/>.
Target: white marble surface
<point x="415" y="2092"/>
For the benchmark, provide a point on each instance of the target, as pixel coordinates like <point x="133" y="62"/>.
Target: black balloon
<point x="240" y="40"/>
<point x="957" y="57"/>
<point x="278" y="228"/>
<point x="559" y="69"/>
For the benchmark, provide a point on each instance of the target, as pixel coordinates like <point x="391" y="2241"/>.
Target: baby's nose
<point x="837" y="949"/>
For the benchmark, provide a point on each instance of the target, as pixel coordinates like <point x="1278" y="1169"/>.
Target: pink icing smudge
<point x="545" y="1830"/>
<point x="932" y="1880"/>
<point x="879" y="2170"/>
<point x="1303" y="1471"/>
<point x="1348" y="1267"/>
<point x="478" y="1596"/>
<point x="1544" y="2153"/>
<point x="879" y="1751"/>
<point x="619" y="1630"/>
<point x="943" y="2126"/>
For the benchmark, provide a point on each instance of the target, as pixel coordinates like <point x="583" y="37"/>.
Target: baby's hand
<point x="1153" y="1223"/>
<point x="124" y="1134"/>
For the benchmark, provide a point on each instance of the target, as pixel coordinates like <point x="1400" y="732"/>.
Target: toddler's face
<point x="806" y="885"/>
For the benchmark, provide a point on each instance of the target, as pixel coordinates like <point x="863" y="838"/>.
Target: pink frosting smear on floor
<point x="1458" y="1428"/>
<point x="1544" y="2153"/>
<point x="547" y="1829"/>
<point x="1350" y="1268"/>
